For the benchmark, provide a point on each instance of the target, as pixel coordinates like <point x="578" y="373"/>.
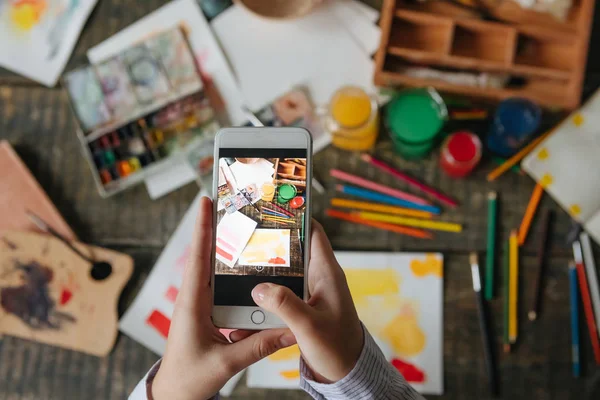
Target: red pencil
<point x="283" y="210"/>
<point x="410" y="180"/>
<point x="587" y="302"/>
<point x="418" y="233"/>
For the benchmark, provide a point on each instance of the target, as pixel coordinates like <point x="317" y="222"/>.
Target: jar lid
<point x="416" y="115"/>
<point x="350" y="107"/>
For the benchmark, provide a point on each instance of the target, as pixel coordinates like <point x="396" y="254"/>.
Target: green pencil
<point x="491" y="246"/>
<point x="506" y="296"/>
<point x="302" y="227"/>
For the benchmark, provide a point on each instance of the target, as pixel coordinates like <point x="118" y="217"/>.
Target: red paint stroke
<point x="277" y="261"/>
<point x="224" y="254"/>
<point x="160" y="322"/>
<point x="171" y="293"/>
<point x="225" y="244"/>
<point x="65" y="296"/>
<point x="410" y="372"/>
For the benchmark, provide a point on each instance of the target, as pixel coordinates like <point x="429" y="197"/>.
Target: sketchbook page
<point x="19" y="192"/>
<point x="270" y="57"/>
<point x="212" y="62"/>
<point x="564" y="163"/>
<point x="366" y="33"/>
<point x="371" y="13"/>
<point x="399" y="298"/>
<point x="37" y="42"/>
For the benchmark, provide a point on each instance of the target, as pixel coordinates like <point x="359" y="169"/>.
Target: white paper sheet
<point x="37" y="43"/>
<point x="233" y="232"/>
<point x="366" y="33"/>
<point x="399" y="297"/>
<point x="157" y="292"/>
<point x="258" y="173"/>
<point x="171" y="178"/>
<point x="368" y="11"/>
<point x="270" y="57"/>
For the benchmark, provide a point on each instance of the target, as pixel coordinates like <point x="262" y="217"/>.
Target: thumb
<point x="257" y="346"/>
<point x="282" y="302"/>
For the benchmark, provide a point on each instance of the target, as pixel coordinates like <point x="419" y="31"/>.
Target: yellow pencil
<point x="418" y="223"/>
<point x="363" y="205"/>
<point x="517" y="157"/>
<point x="513" y="281"/>
<point x="276" y="219"/>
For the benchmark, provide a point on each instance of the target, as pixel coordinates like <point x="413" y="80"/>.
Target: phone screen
<point x="261" y="205"/>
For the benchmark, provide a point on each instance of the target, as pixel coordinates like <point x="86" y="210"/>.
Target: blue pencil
<point x="274" y="213"/>
<point x="382" y="198"/>
<point x="574" y="320"/>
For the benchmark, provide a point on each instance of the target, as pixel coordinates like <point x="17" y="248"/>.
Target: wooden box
<point x="543" y="58"/>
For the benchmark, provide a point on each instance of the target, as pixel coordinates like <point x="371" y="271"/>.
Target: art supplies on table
<point x="37" y="38"/>
<point x="532" y="207"/>
<point x="588" y="307"/>
<point x="592" y="276"/>
<point x="543" y="248"/>
<point x="563" y="165"/>
<point x="414" y="222"/>
<point x="410" y="180"/>
<point x="513" y="291"/>
<point x="506" y="296"/>
<point x="49" y="293"/>
<point x="460" y="154"/>
<point x="382" y="198"/>
<point x="414" y="118"/>
<point x="367" y="206"/>
<point x="353" y="119"/>
<point x="490" y="254"/>
<point x="332" y="54"/>
<point x="418" y="233"/>
<point x="20" y="192"/>
<point x="574" y="302"/>
<point x="486" y="335"/>
<point x="156" y="116"/>
<point x="514" y="123"/>
<point x="399" y="298"/>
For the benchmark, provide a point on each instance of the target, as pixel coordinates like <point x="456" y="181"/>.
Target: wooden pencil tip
<point x="366" y="157"/>
<point x="514" y="232"/>
<point x="492" y="195"/>
<point x="532" y="315"/>
<point x="473" y="258"/>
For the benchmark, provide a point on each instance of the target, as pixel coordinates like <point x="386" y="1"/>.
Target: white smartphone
<point x="261" y="184"/>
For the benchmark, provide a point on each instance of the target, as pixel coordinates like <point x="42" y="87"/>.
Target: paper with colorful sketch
<point x="37" y="36"/>
<point x="399" y="298"/>
<point x="267" y="248"/>
<point x="233" y="233"/>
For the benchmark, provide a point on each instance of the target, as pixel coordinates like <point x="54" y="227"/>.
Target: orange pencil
<point x="534" y="201"/>
<point x="418" y="233"/>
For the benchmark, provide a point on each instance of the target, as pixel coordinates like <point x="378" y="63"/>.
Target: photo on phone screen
<point x="261" y="206"/>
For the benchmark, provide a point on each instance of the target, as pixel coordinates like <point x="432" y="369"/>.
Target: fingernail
<point x="287" y="339"/>
<point x="259" y="292"/>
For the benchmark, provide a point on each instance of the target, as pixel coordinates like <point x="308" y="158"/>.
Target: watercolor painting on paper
<point x="399" y="298"/>
<point x="233" y="233"/>
<point x="267" y="248"/>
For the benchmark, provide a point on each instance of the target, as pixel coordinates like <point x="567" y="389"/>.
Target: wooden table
<point x="38" y="122"/>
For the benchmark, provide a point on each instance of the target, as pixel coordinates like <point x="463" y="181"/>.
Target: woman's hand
<point x="199" y="360"/>
<point x="327" y="328"/>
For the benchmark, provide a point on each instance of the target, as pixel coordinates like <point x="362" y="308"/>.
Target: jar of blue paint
<point x="515" y="122"/>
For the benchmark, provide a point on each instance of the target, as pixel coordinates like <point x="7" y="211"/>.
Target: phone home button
<point x="258" y="317"/>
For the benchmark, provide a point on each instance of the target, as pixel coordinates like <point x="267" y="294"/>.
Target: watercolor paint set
<point x="141" y="111"/>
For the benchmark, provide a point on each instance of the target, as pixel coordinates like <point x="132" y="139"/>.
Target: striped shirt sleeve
<point x="372" y="378"/>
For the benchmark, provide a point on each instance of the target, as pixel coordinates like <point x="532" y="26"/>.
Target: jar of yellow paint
<point x="353" y="119"/>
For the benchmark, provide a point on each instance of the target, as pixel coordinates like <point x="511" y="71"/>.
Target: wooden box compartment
<point x="547" y="52"/>
<point x="483" y="41"/>
<point x="422" y="32"/>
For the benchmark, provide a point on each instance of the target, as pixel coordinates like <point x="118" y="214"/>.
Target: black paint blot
<point x="31" y="302"/>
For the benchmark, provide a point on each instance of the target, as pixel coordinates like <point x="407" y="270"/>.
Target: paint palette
<point x="140" y="111"/>
<point x="47" y="293"/>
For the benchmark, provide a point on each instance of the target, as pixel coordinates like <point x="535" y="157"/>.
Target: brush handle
<point x="487" y="344"/>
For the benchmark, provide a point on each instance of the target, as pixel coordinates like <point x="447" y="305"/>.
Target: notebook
<point x="565" y="165"/>
<point x="19" y="192"/>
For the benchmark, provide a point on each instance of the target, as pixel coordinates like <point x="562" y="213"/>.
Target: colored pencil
<point x="590" y="268"/>
<point x="283" y="210"/>
<point x="513" y="289"/>
<point x="302" y="227"/>
<point x="574" y="319"/>
<point x="417" y="223"/>
<point x="514" y="168"/>
<point x="586" y="300"/>
<point x="483" y="325"/>
<point x="517" y="157"/>
<point x="410" y="180"/>
<point x="541" y="265"/>
<point x="269" y="217"/>
<point x="366" y="206"/>
<point x="367" y="184"/>
<point x="382" y="198"/>
<point x="506" y="277"/>
<point x="491" y="246"/>
<point x="418" y="233"/>
<point x="275" y="213"/>
<point x="534" y="201"/>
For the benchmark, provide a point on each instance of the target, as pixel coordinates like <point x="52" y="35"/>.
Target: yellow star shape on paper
<point x="575" y="210"/>
<point x="543" y="154"/>
<point x="546" y="180"/>
<point x="578" y="119"/>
